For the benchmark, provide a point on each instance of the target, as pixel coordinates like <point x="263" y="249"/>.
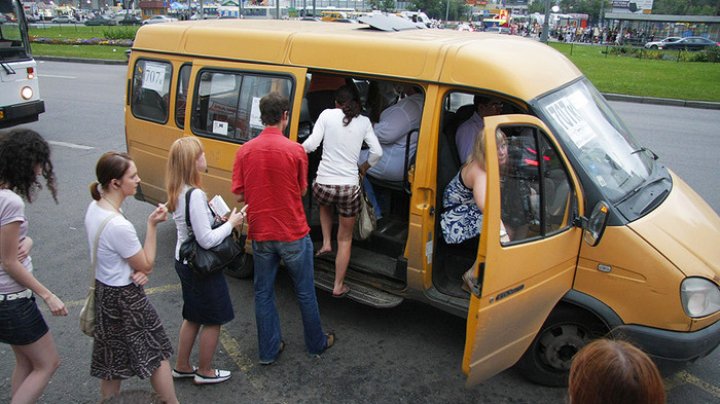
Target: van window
<point x="535" y="187"/>
<point x="151" y="90"/>
<point x="181" y="95"/>
<point x="227" y="104"/>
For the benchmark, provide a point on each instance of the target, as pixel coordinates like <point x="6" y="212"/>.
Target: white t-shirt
<point x="12" y="209"/>
<point x="117" y="243"/>
<point x="341" y="146"/>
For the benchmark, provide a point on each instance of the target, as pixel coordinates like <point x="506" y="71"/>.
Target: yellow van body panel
<point x="687" y="231"/>
<point x="497" y="63"/>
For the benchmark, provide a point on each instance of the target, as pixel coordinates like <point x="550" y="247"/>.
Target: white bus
<point x="19" y="96"/>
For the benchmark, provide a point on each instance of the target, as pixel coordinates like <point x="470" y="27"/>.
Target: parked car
<point x="100" y="20"/>
<point x="158" y="19"/>
<point x="691" y="43"/>
<point x="130" y="20"/>
<point x="63" y="19"/>
<point x="661" y="43"/>
<point x="498" y="30"/>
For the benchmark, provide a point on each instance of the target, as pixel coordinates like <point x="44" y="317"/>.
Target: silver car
<point x="661" y="43"/>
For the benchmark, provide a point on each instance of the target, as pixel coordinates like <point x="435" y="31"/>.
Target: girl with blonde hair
<point x="206" y="300"/>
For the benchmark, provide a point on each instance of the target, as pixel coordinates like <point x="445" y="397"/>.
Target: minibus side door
<point x="521" y="281"/>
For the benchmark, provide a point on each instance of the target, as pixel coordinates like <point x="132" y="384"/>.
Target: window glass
<point x="535" y="187"/>
<point x="181" y="95"/>
<point x="151" y="90"/>
<point x="227" y="104"/>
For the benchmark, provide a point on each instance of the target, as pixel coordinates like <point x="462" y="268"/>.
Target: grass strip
<point x="102" y="52"/>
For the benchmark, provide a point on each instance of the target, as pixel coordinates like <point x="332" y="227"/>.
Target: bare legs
<point x="34" y="366"/>
<point x="342" y="259"/>
<point x="161" y="381"/>
<point x="326" y="222"/>
<point x="208" y="344"/>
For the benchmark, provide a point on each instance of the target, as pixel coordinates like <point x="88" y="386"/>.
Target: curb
<point x="608" y="96"/>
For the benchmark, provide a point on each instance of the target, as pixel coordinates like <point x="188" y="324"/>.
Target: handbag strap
<point x="95" y="247"/>
<point x="187" y="211"/>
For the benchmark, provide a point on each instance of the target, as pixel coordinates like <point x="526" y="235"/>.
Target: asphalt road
<point x="411" y="353"/>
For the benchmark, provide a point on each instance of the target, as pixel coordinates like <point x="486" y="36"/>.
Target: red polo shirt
<point x="271" y="172"/>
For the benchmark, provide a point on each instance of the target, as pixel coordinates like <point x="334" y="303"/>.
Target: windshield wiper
<point x="645" y="149"/>
<point x="637" y="189"/>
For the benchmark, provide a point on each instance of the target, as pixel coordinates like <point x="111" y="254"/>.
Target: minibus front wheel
<point x="567" y="329"/>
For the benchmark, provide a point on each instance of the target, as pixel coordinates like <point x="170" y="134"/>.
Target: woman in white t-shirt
<point x="129" y="337"/>
<point x="24" y="155"/>
<point x="342" y="131"/>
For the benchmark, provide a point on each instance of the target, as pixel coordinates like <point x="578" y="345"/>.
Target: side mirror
<point x="595" y="225"/>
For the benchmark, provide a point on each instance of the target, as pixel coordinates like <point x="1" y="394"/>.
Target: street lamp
<point x="546" y="23"/>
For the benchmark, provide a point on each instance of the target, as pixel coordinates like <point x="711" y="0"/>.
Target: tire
<point x="242" y="267"/>
<point x="653" y="47"/>
<point x="567" y="329"/>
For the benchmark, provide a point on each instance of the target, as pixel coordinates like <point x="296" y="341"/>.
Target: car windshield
<point x="592" y="131"/>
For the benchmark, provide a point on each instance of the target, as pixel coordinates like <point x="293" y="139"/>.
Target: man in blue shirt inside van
<point x="468" y="130"/>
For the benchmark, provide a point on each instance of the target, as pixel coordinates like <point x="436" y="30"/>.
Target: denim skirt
<point x="21" y="322"/>
<point x="206" y="300"/>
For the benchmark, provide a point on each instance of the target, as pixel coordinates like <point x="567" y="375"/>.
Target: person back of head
<point x="111" y="166"/>
<point x="617" y="372"/>
<point x="22" y="151"/>
<point x="348" y="99"/>
<point x="182" y="168"/>
<point x="272" y="108"/>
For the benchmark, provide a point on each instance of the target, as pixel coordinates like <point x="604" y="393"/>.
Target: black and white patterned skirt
<point x="129" y="337"/>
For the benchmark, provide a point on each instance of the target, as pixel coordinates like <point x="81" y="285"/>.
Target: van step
<point x="368" y="262"/>
<point x="359" y="292"/>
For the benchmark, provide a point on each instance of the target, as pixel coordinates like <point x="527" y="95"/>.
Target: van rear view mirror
<point x="594" y="227"/>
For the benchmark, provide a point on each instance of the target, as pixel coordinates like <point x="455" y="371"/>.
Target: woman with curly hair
<point x="24" y="155"/>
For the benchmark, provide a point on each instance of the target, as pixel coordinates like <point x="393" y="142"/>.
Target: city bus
<point x="19" y="95"/>
<point x="585" y="233"/>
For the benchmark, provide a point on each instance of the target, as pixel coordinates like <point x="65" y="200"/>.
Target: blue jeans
<point x="298" y="258"/>
<point x="370" y="192"/>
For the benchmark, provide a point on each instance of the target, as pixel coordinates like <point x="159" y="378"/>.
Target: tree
<point x="686" y="7"/>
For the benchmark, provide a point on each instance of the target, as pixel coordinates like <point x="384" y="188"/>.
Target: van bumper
<point x="671" y="345"/>
<point x="22" y="113"/>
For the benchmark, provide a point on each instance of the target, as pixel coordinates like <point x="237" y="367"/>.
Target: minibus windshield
<point x="592" y="131"/>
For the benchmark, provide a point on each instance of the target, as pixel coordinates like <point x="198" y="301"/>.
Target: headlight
<point x="700" y="297"/>
<point x="26" y="93"/>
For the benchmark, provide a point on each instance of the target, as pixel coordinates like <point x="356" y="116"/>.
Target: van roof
<point x="515" y="66"/>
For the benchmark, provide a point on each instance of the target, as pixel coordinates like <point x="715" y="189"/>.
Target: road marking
<point x="70" y="145"/>
<point x="685" y="377"/>
<point x="244" y="363"/>
<point x="57" y="76"/>
<point x="150" y="291"/>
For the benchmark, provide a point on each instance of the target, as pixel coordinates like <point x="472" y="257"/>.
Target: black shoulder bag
<point x="207" y="262"/>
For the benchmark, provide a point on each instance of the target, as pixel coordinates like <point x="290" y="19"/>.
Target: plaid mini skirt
<point x="345" y="198"/>
<point x="129" y="338"/>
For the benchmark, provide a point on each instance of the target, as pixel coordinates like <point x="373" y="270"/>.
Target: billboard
<point x="632" y="6"/>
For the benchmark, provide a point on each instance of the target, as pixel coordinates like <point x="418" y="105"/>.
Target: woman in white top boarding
<point x="206" y="300"/>
<point x="24" y="155"/>
<point x="342" y="130"/>
<point x="129" y="338"/>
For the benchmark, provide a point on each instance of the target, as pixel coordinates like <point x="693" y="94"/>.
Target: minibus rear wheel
<point x="567" y="329"/>
<point x="241" y="268"/>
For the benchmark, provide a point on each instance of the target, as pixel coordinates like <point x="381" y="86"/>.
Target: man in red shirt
<point x="270" y="175"/>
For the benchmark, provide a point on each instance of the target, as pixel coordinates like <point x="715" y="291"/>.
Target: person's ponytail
<point x="95" y="190"/>
<point x="349" y="101"/>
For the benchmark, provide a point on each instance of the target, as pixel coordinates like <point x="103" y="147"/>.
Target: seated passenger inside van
<point x="467" y="132"/>
<point x="463" y="201"/>
<point x="396" y="122"/>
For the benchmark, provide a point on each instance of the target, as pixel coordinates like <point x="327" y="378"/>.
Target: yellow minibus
<point x="606" y="240"/>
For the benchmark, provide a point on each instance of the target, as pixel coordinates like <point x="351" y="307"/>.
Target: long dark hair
<point x="21" y="152"/>
<point x="348" y="99"/>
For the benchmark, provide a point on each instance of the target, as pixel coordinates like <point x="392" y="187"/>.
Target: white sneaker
<point x="176" y="374"/>
<point x="220" y="376"/>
